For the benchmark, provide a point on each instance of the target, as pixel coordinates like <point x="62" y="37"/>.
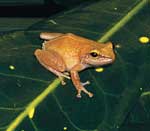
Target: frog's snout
<point x="109" y="45"/>
<point x="109" y="51"/>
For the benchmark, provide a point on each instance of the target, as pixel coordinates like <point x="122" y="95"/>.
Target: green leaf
<point x="120" y="90"/>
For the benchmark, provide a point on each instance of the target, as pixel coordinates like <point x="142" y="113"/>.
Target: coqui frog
<point x="67" y="54"/>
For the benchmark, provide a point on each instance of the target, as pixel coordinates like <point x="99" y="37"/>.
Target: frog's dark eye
<point x="94" y="53"/>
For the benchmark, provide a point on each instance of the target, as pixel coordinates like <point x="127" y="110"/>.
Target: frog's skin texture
<point x="67" y="54"/>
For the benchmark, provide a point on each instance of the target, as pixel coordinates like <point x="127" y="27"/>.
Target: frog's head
<point x="101" y="54"/>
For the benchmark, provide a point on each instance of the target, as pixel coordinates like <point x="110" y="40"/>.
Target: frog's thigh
<point x="51" y="60"/>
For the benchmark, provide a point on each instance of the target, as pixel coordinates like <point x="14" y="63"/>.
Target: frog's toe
<point x="62" y="80"/>
<point x="68" y="77"/>
<point x="63" y="83"/>
<point x="85" y="83"/>
<point x="65" y="75"/>
<point x="78" y="95"/>
<point x="90" y="94"/>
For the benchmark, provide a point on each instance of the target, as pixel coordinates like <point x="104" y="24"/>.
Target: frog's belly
<point x="70" y="60"/>
<point x="70" y="63"/>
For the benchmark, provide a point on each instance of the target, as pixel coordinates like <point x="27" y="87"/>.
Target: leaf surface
<point x="118" y="90"/>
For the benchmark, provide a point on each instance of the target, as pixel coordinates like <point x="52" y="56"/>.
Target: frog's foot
<point x="61" y="76"/>
<point x="85" y="91"/>
<point x="78" y="85"/>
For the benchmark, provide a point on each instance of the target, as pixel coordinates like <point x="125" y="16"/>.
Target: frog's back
<point x="69" y="42"/>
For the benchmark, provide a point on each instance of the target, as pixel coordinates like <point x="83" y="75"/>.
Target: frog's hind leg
<point x="52" y="62"/>
<point x="49" y="36"/>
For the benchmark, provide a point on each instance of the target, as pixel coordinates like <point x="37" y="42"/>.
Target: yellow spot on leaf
<point x="31" y="113"/>
<point x="65" y="128"/>
<point x="141" y="89"/>
<point x="11" y="67"/>
<point x="117" y="46"/>
<point x="99" y="69"/>
<point x="144" y="39"/>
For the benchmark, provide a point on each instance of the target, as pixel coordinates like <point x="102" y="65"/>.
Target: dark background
<point x="36" y="8"/>
<point x="21" y="14"/>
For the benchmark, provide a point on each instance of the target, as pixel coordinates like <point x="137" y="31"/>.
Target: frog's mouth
<point x="105" y="60"/>
<point x="100" y="61"/>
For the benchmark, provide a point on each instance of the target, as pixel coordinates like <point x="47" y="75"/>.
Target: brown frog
<point x="67" y="54"/>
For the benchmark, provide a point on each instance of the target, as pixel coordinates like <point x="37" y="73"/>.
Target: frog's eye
<point x="94" y="53"/>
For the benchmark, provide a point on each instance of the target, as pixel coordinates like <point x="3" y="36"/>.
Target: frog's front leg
<point x="76" y="81"/>
<point x="52" y="61"/>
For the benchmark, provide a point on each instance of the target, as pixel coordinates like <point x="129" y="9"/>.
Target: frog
<point x="66" y="54"/>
